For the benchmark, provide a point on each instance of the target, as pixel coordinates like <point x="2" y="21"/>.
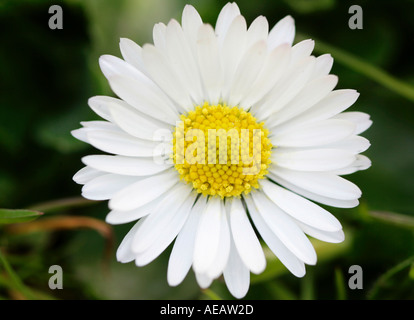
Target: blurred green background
<point x="46" y="77"/>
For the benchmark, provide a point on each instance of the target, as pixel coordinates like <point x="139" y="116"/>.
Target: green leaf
<point x="8" y="216"/>
<point x="340" y="284"/>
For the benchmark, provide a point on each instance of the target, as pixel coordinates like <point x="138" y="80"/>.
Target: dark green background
<point x="46" y="77"/>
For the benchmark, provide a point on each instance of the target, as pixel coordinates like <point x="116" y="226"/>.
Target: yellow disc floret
<point x="221" y="150"/>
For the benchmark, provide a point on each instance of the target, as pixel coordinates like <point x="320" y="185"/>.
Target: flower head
<point x="216" y="130"/>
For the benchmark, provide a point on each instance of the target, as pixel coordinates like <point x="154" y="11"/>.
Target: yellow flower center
<point x="221" y="150"/>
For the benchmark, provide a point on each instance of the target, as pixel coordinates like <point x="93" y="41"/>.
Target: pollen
<point x="221" y="150"/>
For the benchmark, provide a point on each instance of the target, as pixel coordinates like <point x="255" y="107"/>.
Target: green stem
<point x="308" y="286"/>
<point x="396" y="219"/>
<point x="359" y="65"/>
<point x="278" y="291"/>
<point x="54" y="205"/>
<point x="387" y="275"/>
<point x="340" y="284"/>
<point x="16" y="283"/>
<point x="211" y="294"/>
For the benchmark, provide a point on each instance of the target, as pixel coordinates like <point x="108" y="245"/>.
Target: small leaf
<point x="8" y="216"/>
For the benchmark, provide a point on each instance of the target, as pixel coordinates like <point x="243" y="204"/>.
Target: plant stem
<point x="211" y="294"/>
<point x="15" y="280"/>
<point x="340" y="284"/>
<point x="387" y="275"/>
<point x="396" y="219"/>
<point x="54" y="205"/>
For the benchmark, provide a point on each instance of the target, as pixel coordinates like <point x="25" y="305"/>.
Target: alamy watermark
<point x="356" y="280"/>
<point x="56" y="20"/>
<point x="56" y="280"/>
<point x="194" y="147"/>
<point x="356" y="20"/>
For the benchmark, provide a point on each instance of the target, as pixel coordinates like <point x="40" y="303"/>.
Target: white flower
<point x="228" y="77"/>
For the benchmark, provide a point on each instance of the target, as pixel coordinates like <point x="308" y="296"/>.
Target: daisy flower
<point x="222" y="138"/>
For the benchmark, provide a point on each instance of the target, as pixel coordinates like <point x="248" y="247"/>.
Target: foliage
<point x="47" y="76"/>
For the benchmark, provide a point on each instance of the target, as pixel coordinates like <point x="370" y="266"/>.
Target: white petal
<point x="113" y="66"/>
<point x="229" y="12"/>
<point x="159" y="36"/>
<point x="209" y="63"/>
<point x="301" y="51"/>
<point x="208" y="236"/>
<point x="86" y="174"/>
<point x="300" y="208"/>
<point x="203" y="280"/>
<point x="159" y="68"/>
<point x="162" y="215"/>
<point x="80" y="134"/>
<point x="311" y="195"/>
<point x="258" y="30"/>
<point x="311" y="94"/>
<point x="166" y="234"/>
<point x="249" y="68"/>
<point x="236" y="275"/>
<point x="323" y="66"/>
<point x="360" y="119"/>
<point x="232" y="51"/>
<point x="312" y="160"/>
<point x="106" y="186"/>
<point x="145" y="98"/>
<point x="124" y="253"/>
<point x="314" y="134"/>
<point x="222" y="256"/>
<point x="181" y="257"/>
<point x="282" y="32"/>
<point x="135" y="122"/>
<point x="124" y="165"/>
<point x="144" y="191"/>
<point x="183" y="61"/>
<point x="132" y="53"/>
<point x="284" y="91"/>
<point x="332" y="237"/>
<point x="353" y="144"/>
<point x="245" y="239"/>
<point x="361" y="163"/>
<point x="120" y="217"/>
<point x="99" y="105"/>
<point x="285" y="228"/>
<point x="272" y="71"/>
<point x="334" y="103"/>
<point x="191" y="22"/>
<point x="92" y="126"/>
<point x="122" y="144"/>
<point x="292" y="263"/>
<point x="323" y="183"/>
